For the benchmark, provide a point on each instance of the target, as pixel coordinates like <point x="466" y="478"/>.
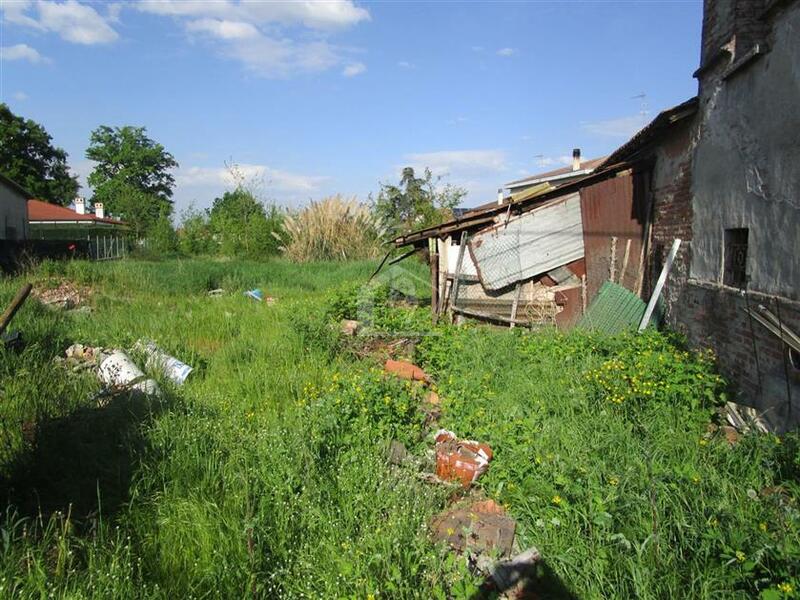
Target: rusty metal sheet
<point x="530" y="244"/>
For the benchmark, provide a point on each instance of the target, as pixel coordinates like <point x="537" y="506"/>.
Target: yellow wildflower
<point x="557" y="500"/>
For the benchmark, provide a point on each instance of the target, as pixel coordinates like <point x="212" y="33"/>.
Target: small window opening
<point x="735" y="273"/>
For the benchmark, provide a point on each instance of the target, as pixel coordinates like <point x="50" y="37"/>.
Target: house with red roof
<point x="78" y="230"/>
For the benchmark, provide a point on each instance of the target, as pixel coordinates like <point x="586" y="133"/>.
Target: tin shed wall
<point x="614" y="207"/>
<point x="529" y="245"/>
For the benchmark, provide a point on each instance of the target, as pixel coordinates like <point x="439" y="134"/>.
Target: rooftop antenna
<point x="643" y="97"/>
<point x="540" y="159"/>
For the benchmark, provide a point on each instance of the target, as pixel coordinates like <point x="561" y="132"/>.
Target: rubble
<point x="349" y="327"/>
<point x="479" y="528"/>
<point x="460" y="460"/>
<point x="406" y="370"/>
<point x="66" y="295"/>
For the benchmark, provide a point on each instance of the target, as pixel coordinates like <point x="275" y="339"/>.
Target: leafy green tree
<point x="131" y="168"/>
<point x="194" y="234"/>
<point x="139" y="209"/>
<point x="161" y="236"/>
<point x="416" y="202"/>
<point x="242" y="226"/>
<point x="28" y="157"/>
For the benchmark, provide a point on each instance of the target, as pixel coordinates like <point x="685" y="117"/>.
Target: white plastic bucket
<point x="119" y="370"/>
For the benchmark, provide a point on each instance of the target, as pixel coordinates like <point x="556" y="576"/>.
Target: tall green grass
<point x="266" y="474"/>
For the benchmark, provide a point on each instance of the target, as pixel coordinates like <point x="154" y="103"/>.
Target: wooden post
<point x="583" y="294"/>
<point x="457" y="274"/>
<point x="15" y="305"/>
<point x="612" y="267"/>
<point x="435" y="285"/>
<point x="662" y="279"/>
<point x="515" y="305"/>
<point x="625" y="258"/>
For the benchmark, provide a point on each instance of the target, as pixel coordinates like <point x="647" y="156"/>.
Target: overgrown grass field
<point x="265" y="475"/>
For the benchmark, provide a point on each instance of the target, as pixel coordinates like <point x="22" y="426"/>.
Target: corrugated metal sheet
<point x="614" y="309"/>
<point x="529" y="245"/>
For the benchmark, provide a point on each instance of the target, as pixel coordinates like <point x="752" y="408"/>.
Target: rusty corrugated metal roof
<point x="480" y="218"/>
<point x="531" y="244"/>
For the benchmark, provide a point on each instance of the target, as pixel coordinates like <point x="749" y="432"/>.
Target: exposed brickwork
<point x="751" y="357"/>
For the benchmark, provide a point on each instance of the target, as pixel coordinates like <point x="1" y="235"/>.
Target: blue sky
<point x="314" y="98"/>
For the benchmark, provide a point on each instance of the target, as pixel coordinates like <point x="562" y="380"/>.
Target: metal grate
<point x="735" y="273"/>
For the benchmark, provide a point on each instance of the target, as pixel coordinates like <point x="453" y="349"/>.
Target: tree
<point x="161" y="237"/>
<point x="415" y="203"/>
<point x="194" y="235"/>
<point x="139" y="209"/>
<point x="131" y="169"/>
<point x="242" y="226"/>
<point x="28" y="156"/>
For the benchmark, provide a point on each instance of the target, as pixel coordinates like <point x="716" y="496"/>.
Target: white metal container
<point x="119" y="370"/>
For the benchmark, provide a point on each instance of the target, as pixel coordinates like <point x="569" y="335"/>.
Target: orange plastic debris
<point x="406" y="370"/>
<point x="460" y="460"/>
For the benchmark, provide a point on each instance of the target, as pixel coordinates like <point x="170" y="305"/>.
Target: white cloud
<point x="506" y="52"/>
<point x="20" y="96"/>
<point x="316" y="15"/>
<point x="73" y="21"/>
<point x="268" y="37"/>
<point x="459" y="162"/>
<point x="224" y="30"/>
<point x="272" y="179"/>
<point x="623" y="127"/>
<point x="457" y="121"/>
<point x="404" y="64"/>
<point x="21" y="52"/>
<point x="354" y="69"/>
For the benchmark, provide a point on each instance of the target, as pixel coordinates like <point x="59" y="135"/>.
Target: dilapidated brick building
<point x="726" y="181"/>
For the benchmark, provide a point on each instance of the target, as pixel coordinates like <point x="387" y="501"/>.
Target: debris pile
<point x="119" y="373"/>
<point x="66" y="295"/>
<point x="460" y="460"/>
<point x="258" y="295"/>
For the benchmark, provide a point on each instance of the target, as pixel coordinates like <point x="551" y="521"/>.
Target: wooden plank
<point x="479" y="315"/>
<point x="662" y="279"/>
<point x="457" y="274"/>
<point x="612" y="266"/>
<point x="15" y="305"/>
<point x="434" y="285"/>
<point x="625" y="258"/>
<point x="514" y="306"/>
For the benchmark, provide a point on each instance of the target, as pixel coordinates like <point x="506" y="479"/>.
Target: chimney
<point x="99" y="211"/>
<point x="500" y="195"/>
<point x="80" y="205"/>
<point x="576" y="159"/>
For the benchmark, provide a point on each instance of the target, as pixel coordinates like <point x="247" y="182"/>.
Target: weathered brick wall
<point x="733" y="24"/>
<point x="672" y="213"/>
<point x="750" y="357"/>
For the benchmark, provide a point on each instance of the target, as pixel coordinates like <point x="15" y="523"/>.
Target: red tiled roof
<point x="44" y="211"/>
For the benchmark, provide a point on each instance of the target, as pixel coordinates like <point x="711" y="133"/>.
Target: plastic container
<point x="118" y="370"/>
<point x="175" y="370"/>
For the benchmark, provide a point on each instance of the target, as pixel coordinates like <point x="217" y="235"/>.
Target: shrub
<point x="332" y="229"/>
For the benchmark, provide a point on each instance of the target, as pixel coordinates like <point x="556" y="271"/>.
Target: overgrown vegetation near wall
<point x="266" y="474"/>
